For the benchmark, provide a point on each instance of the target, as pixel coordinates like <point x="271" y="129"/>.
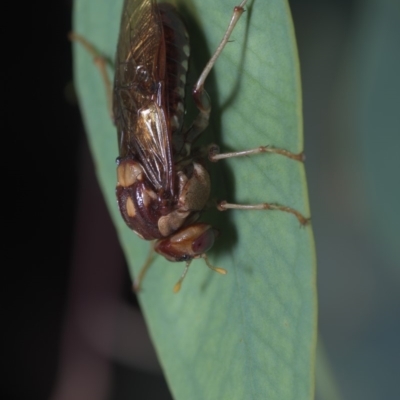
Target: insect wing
<point x="139" y="93"/>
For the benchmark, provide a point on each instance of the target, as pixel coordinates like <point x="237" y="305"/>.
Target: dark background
<point x="56" y="222"/>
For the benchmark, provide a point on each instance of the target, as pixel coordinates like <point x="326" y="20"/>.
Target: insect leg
<point x="100" y="62"/>
<point x="214" y="154"/>
<point x="200" y="96"/>
<point x="139" y="279"/>
<point x="223" y="205"/>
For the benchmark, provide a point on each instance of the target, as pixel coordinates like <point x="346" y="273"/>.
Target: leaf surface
<point x="250" y="334"/>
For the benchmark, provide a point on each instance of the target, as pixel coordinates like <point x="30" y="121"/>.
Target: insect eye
<point x="204" y="242"/>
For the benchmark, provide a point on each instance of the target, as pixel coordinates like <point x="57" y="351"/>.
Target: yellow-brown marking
<point x="128" y="174"/>
<point x="130" y="207"/>
<point x="147" y="196"/>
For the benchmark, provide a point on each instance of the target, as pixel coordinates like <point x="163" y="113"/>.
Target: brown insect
<point x="163" y="184"/>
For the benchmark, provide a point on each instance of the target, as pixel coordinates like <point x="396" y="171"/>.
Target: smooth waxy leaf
<point x="250" y="334"/>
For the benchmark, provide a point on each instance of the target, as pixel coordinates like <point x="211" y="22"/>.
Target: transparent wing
<point x="139" y="97"/>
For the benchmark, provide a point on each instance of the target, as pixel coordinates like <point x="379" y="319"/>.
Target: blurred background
<point x="75" y="329"/>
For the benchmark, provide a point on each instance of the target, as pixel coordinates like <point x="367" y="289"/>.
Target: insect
<point x="163" y="184"/>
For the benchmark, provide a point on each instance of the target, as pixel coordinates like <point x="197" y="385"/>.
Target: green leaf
<point x="252" y="333"/>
